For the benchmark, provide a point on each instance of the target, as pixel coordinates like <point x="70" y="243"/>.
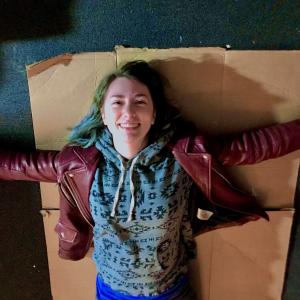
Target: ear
<point x="154" y="116"/>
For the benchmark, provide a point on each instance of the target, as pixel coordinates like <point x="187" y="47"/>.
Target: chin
<point x="134" y="139"/>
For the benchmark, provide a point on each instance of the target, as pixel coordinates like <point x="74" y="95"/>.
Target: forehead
<point x="125" y="86"/>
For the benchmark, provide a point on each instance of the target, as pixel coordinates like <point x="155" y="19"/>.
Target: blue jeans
<point x="181" y="291"/>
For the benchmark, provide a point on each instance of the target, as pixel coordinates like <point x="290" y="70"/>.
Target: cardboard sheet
<point x="221" y="91"/>
<point x="245" y="262"/>
<point x="61" y="90"/>
<point x="69" y="279"/>
<point x="259" y="88"/>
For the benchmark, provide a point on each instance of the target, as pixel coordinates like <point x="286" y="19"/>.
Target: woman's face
<point x="128" y="111"/>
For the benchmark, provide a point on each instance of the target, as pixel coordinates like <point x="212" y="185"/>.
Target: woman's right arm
<point x="39" y="165"/>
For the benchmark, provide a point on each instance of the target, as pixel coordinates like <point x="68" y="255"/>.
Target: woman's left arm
<point x="253" y="146"/>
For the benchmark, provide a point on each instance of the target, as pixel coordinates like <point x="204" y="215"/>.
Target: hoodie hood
<point x="148" y="156"/>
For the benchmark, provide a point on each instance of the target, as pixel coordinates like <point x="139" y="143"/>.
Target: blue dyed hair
<point x="87" y="131"/>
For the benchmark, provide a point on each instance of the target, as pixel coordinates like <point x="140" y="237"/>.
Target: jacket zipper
<point x="65" y="194"/>
<point x="68" y="181"/>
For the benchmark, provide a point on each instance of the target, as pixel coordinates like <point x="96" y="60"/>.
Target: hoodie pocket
<point x="166" y="254"/>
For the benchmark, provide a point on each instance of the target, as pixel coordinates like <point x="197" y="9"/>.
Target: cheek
<point x="111" y="118"/>
<point x="105" y="112"/>
<point x="152" y="115"/>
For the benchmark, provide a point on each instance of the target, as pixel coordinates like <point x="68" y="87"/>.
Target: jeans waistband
<point x="104" y="292"/>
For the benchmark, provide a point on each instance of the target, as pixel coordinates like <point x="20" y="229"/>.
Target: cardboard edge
<point x="39" y="67"/>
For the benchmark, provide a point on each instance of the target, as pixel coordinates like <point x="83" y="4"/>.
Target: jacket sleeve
<point x="257" y="145"/>
<point x="36" y="165"/>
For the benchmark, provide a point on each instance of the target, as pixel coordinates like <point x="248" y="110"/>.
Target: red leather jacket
<point x="73" y="169"/>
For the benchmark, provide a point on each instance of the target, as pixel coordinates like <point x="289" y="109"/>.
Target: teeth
<point x="129" y="125"/>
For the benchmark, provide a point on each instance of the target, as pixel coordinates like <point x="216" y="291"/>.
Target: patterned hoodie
<point x="142" y="234"/>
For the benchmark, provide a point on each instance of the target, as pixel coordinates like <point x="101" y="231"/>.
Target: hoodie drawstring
<point x="116" y="199"/>
<point x="132" y="201"/>
<point x="117" y="195"/>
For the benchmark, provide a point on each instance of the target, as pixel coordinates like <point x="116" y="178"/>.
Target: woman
<point x="140" y="183"/>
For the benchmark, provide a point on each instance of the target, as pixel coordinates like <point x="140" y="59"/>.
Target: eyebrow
<point x="122" y="96"/>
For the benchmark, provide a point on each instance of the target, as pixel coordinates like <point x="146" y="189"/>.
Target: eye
<point x="116" y="102"/>
<point x="141" y="101"/>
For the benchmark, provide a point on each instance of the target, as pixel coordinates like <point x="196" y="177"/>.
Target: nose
<point x="129" y="110"/>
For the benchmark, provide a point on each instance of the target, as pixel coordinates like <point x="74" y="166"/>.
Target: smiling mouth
<point x="129" y="125"/>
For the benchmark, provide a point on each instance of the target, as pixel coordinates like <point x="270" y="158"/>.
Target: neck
<point x="129" y="150"/>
